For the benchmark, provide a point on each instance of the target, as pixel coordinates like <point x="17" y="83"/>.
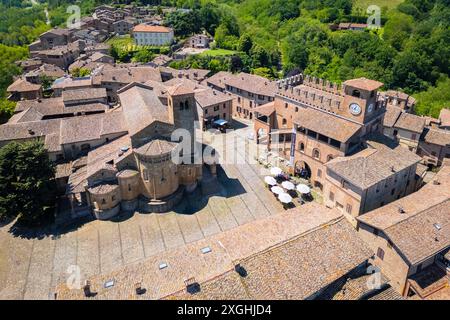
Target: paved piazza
<point x="30" y="266"/>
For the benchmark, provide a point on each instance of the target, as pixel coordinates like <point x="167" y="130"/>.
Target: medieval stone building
<point x="145" y="169"/>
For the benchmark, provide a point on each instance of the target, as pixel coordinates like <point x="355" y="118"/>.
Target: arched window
<point x="316" y="153"/>
<point x="103" y="201"/>
<point x="186" y="105"/>
<point x="284" y="122"/>
<point x="301" y="147"/>
<point x="356" y="93"/>
<point x="329" y="157"/>
<point x="181" y="105"/>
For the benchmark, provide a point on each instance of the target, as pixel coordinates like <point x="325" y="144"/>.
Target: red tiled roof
<point x="149" y="28"/>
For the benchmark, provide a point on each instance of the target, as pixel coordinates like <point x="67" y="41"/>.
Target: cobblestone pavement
<point x="31" y="267"/>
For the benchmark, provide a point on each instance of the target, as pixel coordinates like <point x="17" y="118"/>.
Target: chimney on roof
<point x="138" y="289"/>
<point x="87" y="289"/>
<point x="436" y="182"/>
<point x="401" y="210"/>
<point x="192" y="286"/>
<point x="240" y="269"/>
<point x="392" y="169"/>
<point x="30" y="131"/>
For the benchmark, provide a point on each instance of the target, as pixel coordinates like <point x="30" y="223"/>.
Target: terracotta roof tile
<point x="327" y="124"/>
<point x="371" y="166"/>
<point x="150" y="28"/>
<point x="21" y="85"/>
<point x="363" y="83"/>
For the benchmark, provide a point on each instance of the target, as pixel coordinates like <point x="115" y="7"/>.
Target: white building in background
<point x="152" y="35"/>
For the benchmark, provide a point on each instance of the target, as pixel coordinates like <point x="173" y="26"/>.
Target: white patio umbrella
<point x="275" y="171"/>
<point x="277" y="190"/>
<point x="288" y="185"/>
<point x="270" y="181"/>
<point x="284" y="198"/>
<point x="303" y="188"/>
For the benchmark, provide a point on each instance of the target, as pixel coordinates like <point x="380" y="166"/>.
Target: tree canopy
<point x="27" y="187"/>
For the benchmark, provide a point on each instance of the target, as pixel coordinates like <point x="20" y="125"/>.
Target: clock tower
<point x="360" y="100"/>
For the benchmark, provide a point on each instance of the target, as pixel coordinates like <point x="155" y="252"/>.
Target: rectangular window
<point x="380" y="253"/>
<point x="216" y="108"/>
<point x="319" y="173"/>
<point x="348" y="208"/>
<point x="312" y="134"/>
<point x="145" y="174"/>
<point x="331" y="196"/>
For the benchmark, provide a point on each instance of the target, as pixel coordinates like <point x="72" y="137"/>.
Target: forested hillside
<point x="411" y="52"/>
<point x="275" y="38"/>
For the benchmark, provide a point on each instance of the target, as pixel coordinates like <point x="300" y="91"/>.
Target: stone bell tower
<point x="360" y="100"/>
<point x="183" y="110"/>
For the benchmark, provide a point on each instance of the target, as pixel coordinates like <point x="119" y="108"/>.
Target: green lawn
<point x="218" y="52"/>
<point x="364" y="4"/>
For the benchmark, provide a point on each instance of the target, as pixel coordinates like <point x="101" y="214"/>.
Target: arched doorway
<point x="302" y="169"/>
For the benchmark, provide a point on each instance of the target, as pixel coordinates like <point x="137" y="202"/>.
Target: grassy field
<point x="364" y="4"/>
<point x="218" y="52"/>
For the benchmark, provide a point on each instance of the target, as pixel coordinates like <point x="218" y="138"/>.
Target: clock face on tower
<point x="355" y="109"/>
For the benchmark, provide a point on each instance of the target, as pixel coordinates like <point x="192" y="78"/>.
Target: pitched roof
<point x="428" y="196"/>
<point x="57" y="31"/>
<point x="418" y="237"/>
<point x="253" y="83"/>
<point x="48" y="70"/>
<point x="276" y="252"/>
<point x="30" y="114"/>
<point x="68" y="82"/>
<point x="150" y="28"/>
<point x="266" y="109"/>
<point x="391" y="115"/>
<point x="83" y="94"/>
<point x="56" y="106"/>
<point x="156" y="147"/>
<point x="22" y="85"/>
<point x="327" y="124"/>
<point x="209" y="97"/>
<point x="30" y="129"/>
<point x="436" y="136"/>
<point x="104" y="188"/>
<point x="141" y="107"/>
<point x="219" y="79"/>
<point x="91" y="127"/>
<point x="410" y="122"/>
<point x="127" y="75"/>
<point x="363" y="83"/>
<point x="372" y="165"/>
<point x="179" y="90"/>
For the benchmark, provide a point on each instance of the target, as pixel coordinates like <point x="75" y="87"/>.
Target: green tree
<point x="245" y="43"/>
<point x="260" y="57"/>
<point x="431" y="101"/>
<point x="398" y="29"/>
<point x="6" y="110"/>
<point x="209" y="17"/>
<point x="27" y="186"/>
<point x="80" y="72"/>
<point x="143" y="55"/>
